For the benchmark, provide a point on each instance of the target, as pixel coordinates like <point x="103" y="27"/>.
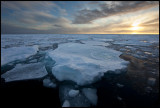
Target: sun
<point x="135" y="26"/>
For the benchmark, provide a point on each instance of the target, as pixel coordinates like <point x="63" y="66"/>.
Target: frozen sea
<point x="83" y="70"/>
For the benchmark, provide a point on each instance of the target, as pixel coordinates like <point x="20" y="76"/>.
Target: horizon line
<point x="75" y="33"/>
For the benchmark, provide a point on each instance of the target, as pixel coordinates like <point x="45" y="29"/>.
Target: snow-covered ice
<point x="137" y="40"/>
<point x="66" y="104"/>
<point x="91" y="94"/>
<point x="104" y="39"/>
<point x="25" y="72"/>
<point x="96" y="43"/>
<point x="148" y="53"/>
<point x="119" y="98"/>
<point x="48" y="83"/>
<point x="73" y="93"/>
<point x="83" y="63"/>
<point x="80" y="58"/>
<point x="77" y="101"/>
<point x="151" y="81"/>
<point x="120" y="85"/>
<point x="17" y="53"/>
<point x="148" y="89"/>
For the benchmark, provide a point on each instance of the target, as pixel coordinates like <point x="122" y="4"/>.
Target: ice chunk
<point x="148" y="53"/>
<point x="91" y="94"/>
<point x="105" y="39"/>
<point x="73" y="93"/>
<point x="148" y="89"/>
<point x="119" y="98"/>
<point x="48" y="83"/>
<point x="151" y="81"/>
<point x="120" y="85"/>
<point x="77" y="101"/>
<point x="17" y="53"/>
<point x="66" y="104"/>
<point x="25" y="72"/>
<point x="83" y="63"/>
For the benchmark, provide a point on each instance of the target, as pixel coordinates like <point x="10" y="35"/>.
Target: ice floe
<point x="48" y="83"/>
<point x="76" y="101"/>
<point x="151" y="81"/>
<point x="73" y="93"/>
<point x="148" y="53"/>
<point x="120" y="85"/>
<point x="119" y="98"/>
<point x="66" y="104"/>
<point x="83" y="63"/>
<point x="91" y="94"/>
<point x="25" y="72"/>
<point x="96" y="43"/>
<point x="105" y="39"/>
<point x="17" y="53"/>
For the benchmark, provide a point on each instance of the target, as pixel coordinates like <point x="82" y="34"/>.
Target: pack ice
<point x="17" y="53"/>
<point x="84" y="63"/>
<point x="25" y="72"/>
<point x="95" y="43"/>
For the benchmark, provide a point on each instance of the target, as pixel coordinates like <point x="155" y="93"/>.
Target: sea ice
<point x="103" y="40"/>
<point x="17" y="53"/>
<point x="148" y="53"/>
<point x="66" y="104"/>
<point x="151" y="81"/>
<point x="148" y="89"/>
<point x="77" y="101"/>
<point x="106" y="39"/>
<point x="136" y="40"/>
<point x="120" y="85"/>
<point x="83" y="63"/>
<point x="91" y="94"/>
<point x="48" y="83"/>
<point x="25" y="72"/>
<point x="119" y="98"/>
<point x="73" y="93"/>
<point x="96" y="43"/>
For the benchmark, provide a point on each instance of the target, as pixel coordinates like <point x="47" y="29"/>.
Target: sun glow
<point x="135" y="26"/>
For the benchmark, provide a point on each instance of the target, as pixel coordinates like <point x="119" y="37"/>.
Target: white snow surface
<point x="103" y="39"/>
<point x="25" y="72"/>
<point x="96" y="43"/>
<point x="73" y="93"/>
<point x="17" y="53"/>
<point x="83" y="63"/>
<point x="91" y="94"/>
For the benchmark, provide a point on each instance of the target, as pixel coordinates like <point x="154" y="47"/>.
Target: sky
<point x="80" y="17"/>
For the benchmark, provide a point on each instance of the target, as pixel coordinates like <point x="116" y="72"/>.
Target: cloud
<point x="55" y="23"/>
<point x="33" y="14"/>
<point x="42" y="6"/>
<point x="151" y="22"/>
<point x="33" y="17"/>
<point x="12" y="29"/>
<point x="28" y="5"/>
<point x="39" y="17"/>
<point x="110" y="8"/>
